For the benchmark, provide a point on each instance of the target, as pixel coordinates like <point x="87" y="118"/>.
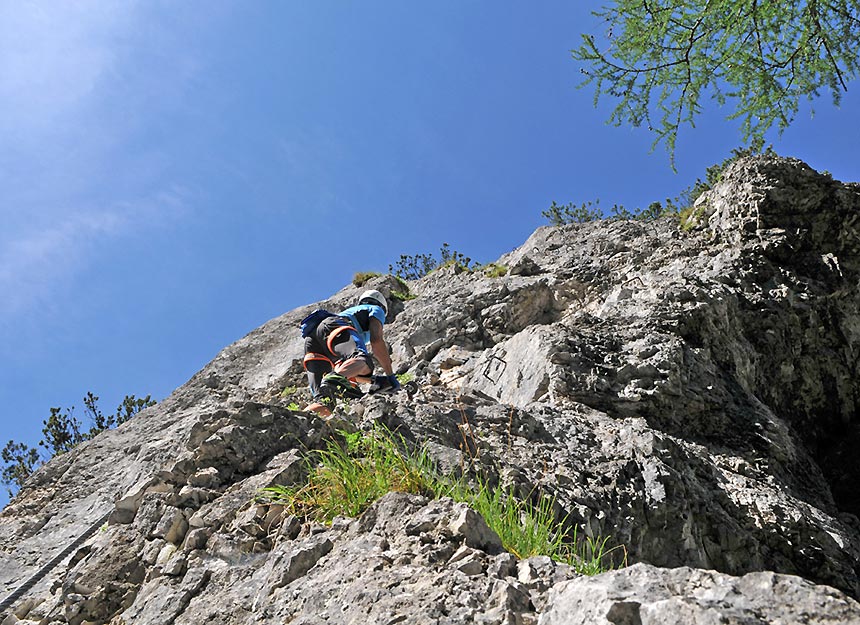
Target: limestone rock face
<point x="690" y="393"/>
<point x="651" y="596"/>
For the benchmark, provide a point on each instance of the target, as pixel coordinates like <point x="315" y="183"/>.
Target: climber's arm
<point x="379" y="347"/>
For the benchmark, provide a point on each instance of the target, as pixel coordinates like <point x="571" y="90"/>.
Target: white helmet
<point x="373" y="296"/>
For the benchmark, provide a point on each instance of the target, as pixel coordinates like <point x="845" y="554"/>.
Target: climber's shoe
<point x="340" y="386"/>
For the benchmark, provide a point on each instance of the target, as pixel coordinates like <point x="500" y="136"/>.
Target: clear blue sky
<point x="173" y="175"/>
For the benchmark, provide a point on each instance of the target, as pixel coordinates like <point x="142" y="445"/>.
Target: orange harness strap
<point x="337" y="331"/>
<point x="312" y="356"/>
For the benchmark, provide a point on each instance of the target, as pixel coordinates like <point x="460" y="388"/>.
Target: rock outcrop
<point x="690" y="392"/>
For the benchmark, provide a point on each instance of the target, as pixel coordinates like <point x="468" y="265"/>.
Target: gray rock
<point x="206" y="477"/>
<point x="468" y="561"/>
<point x="172" y="527"/>
<point x="161" y="601"/>
<point x="503" y="565"/>
<point x="297" y="560"/>
<point x="647" y="595"/>
<point x="196" y="539"/>
<point x="474" y="531"/>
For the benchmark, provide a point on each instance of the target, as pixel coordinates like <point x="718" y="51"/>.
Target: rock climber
<point x="337" y="356"/>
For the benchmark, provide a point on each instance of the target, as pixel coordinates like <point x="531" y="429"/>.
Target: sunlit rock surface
<point x="691" y="393"/>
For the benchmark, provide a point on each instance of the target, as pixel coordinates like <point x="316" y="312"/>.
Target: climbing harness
<point x="311" y="356"/>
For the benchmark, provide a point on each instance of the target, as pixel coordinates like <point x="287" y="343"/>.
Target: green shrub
<point x="589" y="211"/>
<point x="454" y="258"/>
<point x="415" y="267"/>
<point x="655" y="210"/>
<point x="20" y="460"/>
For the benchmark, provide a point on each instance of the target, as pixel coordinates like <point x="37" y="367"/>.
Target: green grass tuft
<point x="690" y="217"/>
<point x="405" y="378"/>
<point x="494" y="270"/>
<point x="361" y="277"/>
<point x="353" y="472"/>
<point x="350" y="475"/>
<point x="403" y="296"/>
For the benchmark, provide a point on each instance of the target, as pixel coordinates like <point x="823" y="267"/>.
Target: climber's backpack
<point x="310" y="323"/>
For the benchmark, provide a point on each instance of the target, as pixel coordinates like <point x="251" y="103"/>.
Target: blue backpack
<point x="310" y="323"/>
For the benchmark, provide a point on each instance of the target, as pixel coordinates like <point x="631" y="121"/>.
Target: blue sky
<point x="173" y="175"/>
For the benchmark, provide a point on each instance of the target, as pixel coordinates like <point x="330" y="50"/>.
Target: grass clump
<point x="405" y="378"/>
<point x="690" y="217"/>
<point x="495" y="270"/>
<point x="361" y="277"/>
<point x="351" y="473"/>
<point x="528" y="530"/>
<point x="403" y="296"/>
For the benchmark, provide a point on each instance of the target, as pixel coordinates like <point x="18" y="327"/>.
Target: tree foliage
<point x="20" y="461"/>
<point x="660" y="58"/>
<point x="61" y="431"/>
<point x="570" y="213"/>
<point x="416" y="266"/>
<point x="558" y="214"/>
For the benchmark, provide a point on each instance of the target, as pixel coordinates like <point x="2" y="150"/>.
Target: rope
<point x="38" y="575"/>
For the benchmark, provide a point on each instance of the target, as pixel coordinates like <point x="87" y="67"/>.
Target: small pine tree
<point x="20" y="460"/>
<point x="559" y="215"/>
<point x="61" y="431"/>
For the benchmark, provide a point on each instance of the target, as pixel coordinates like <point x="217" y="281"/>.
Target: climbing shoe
<point x="340" y="386"/>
